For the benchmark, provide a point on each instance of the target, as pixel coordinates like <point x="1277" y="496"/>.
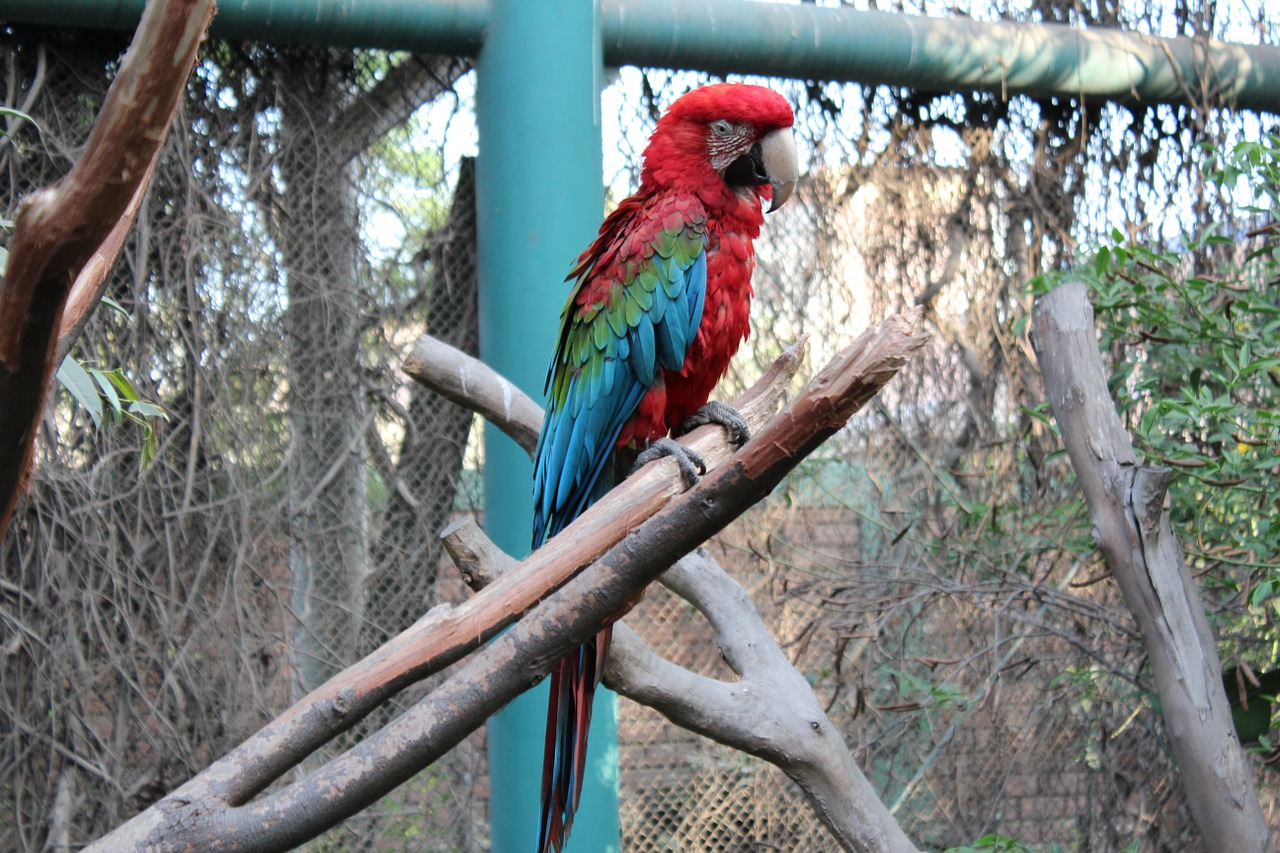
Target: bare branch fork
<point x="624" y="542"/>
<point x="1131" y="528"/>
<point x="770" y="712"/>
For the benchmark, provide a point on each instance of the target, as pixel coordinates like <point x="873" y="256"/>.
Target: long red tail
<point x="573" y="687"/>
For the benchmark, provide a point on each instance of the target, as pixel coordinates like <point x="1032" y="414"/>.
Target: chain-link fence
<point x="314" y="212"/>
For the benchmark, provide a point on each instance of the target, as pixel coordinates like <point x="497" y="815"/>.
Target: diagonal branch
<point x="213" y="805"/>
<point x="409" y="84"/>
<point x="60" y="228"/>
<point x="91" y="281"/>
<point x="771" y="712"/>
<point x="1131" y="528"/>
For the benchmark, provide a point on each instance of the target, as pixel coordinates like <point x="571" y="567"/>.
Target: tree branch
<point x="59" y="229"/>
<point x="770" y="712"/>
<point x="416" y="80"/>
<point x="474" y="385"/>
<point x="471" y="383"/>
<point x="213" y="804"/>
<point x="1131" y="528"/>
<point x="91" y="281"/>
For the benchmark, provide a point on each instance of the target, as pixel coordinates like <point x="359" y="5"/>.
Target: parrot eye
<point x="722" y="129"/>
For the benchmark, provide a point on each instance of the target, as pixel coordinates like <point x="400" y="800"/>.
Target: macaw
<point x="659" y="305"/>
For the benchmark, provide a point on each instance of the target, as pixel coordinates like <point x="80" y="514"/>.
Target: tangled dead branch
<point x="636" y="532"/>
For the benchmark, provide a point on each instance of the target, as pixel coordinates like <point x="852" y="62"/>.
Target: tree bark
<point x="318" y="235"/>
<point x="59" y="229"/>
<point x="215" y="806"/>
<point x="469" y="382"/>
<point x="770" y="712"/>
<point x="424" y="483"/>
<point x="1131" y="527"/>
<point x="326" y="123"/>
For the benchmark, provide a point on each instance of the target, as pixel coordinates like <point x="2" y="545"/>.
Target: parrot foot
<point x="690" y="462"/>
<point x="717" y="412"/>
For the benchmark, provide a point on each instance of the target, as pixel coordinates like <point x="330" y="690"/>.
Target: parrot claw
<point x="717" y="412"/>
<point x="689" y="461"/>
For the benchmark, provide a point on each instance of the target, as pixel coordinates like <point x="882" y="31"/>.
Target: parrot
<point x="659" y="304"/>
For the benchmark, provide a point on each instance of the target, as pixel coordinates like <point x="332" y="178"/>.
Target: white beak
<point x="781" y="164"/>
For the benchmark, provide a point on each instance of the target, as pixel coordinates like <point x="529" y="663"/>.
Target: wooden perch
<point x="91" y="281"/>
<point x="217" y="804"/>
<point x="1131" y="527"/>
<point x="67" y="234"/>
<point x="771" y="712"/>
<point x="474" y="385"/>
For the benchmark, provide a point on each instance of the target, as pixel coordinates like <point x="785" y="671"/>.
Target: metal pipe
<point x="421" y="26"/>
<point x="936" y="54"/>
<point x="741" y="36"/>
<point x="540" y="198"/>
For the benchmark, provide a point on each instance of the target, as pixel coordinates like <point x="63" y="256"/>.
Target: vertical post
<point x="540" y="200"/>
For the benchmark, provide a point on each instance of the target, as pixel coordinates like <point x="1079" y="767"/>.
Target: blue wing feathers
<point x="699" y="294"/>
<point x="609" y="355"/>
<point x="644" y="355"/>
<point x="602" y="368"/>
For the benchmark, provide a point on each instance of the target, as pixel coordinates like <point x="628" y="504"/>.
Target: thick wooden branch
<point x="770" y="712"/>
<point x="469" y="382"/>
<point x="214" y="804"/>
<point x="91" y="282"/>
<point x="474" y="385"/>
<point x="59" y="229"/>
<point x="1131" y="527"/>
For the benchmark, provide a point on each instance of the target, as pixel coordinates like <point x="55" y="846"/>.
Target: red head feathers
<point x="736" y="131"/>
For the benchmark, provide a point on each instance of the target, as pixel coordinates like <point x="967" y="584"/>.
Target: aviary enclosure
<point x="237" y="491"/>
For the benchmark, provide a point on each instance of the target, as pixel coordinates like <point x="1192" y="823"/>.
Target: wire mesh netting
<point x="929" y="570"/>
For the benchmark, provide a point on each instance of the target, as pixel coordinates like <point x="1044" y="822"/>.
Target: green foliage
<point x="1252" y="699"/>
<point x="108" y="395"/>
<point x="1193" y="335"/>
<point x="1000" y="844"/>
<point x="928" y="694"/>
<point x="10" y="112"/>
<point x="1194" y="332"/>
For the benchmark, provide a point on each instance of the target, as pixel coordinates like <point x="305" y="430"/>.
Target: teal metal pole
<point x="540" y="201"/>
<point x="788" y="40"/>
<point x="422" y="26"/>
<point x="938" y="54"/>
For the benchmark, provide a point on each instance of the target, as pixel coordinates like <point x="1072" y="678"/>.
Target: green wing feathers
<point x="633" y="313"/>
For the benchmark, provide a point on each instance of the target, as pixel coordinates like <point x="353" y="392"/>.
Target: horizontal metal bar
<point x="935" y="54"/>
<point x="748" y="37"/>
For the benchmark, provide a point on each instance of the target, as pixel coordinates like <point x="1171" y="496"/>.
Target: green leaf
<point x="109" y="392"/>
<point x="10" y="112"/>
<point x="123" y="384"/>
<point x="147" y="410"/>
<point x="83" y="389"/>
<point x="115" y="306"/>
